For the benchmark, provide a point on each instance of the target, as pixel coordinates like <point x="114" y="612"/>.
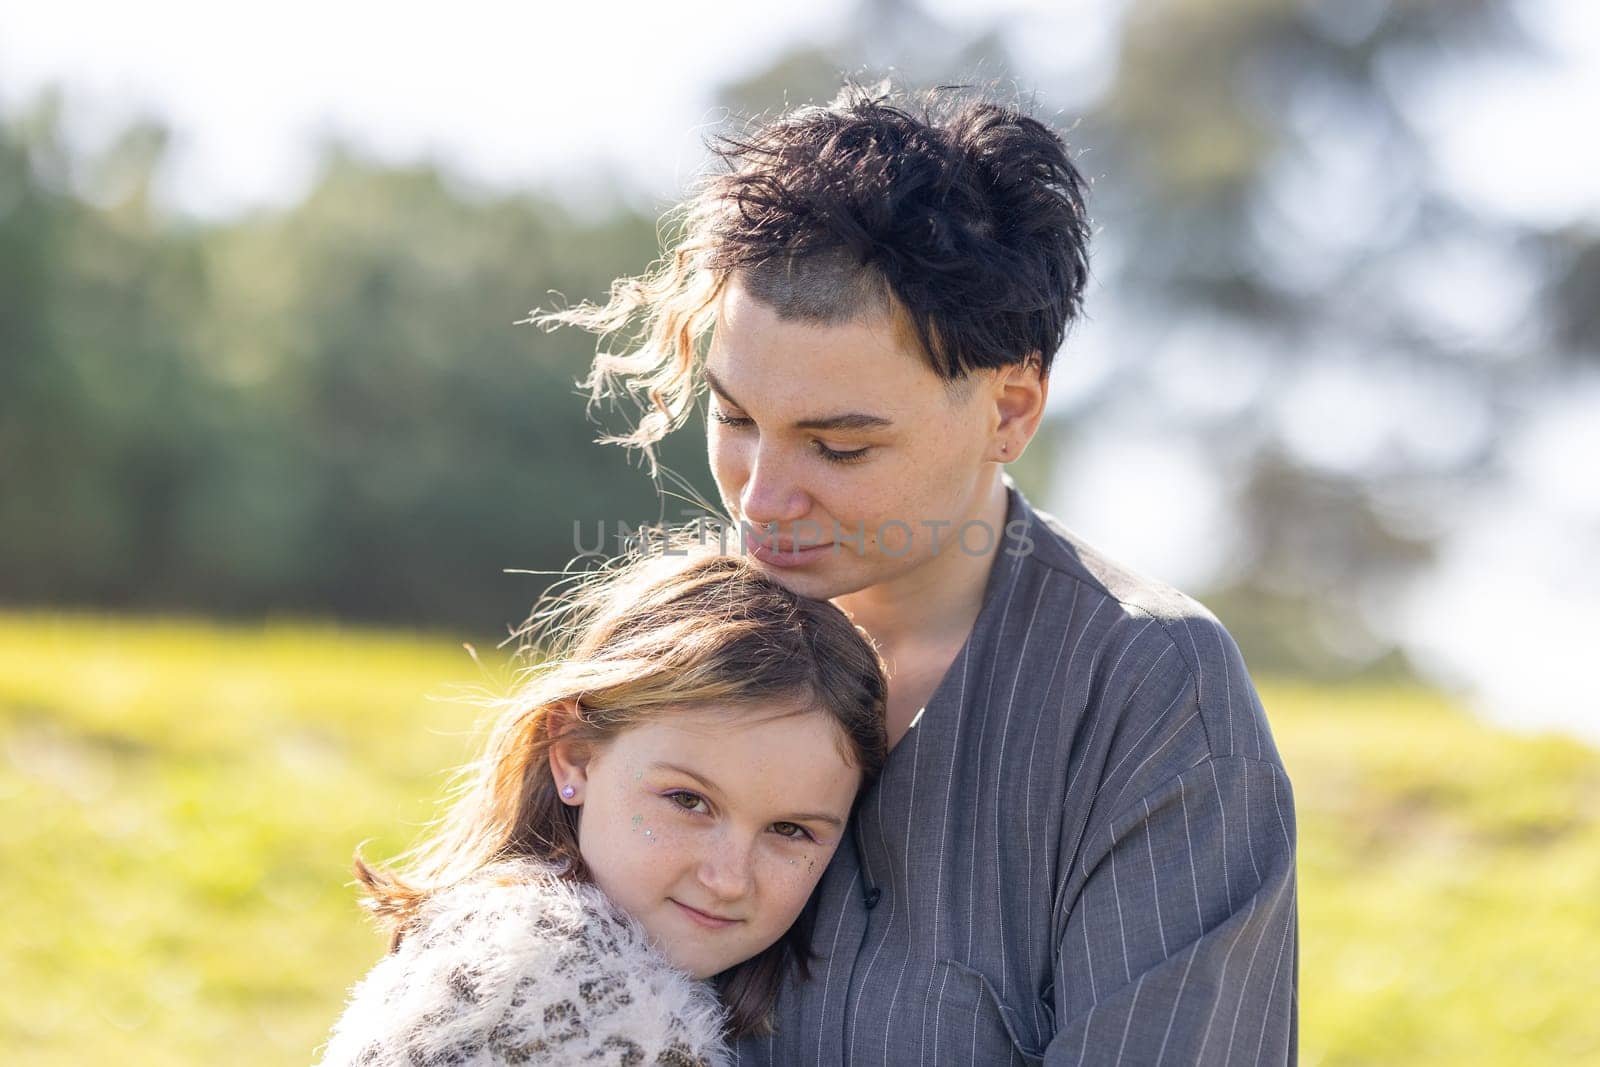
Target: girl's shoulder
<point x="520" y="965"/>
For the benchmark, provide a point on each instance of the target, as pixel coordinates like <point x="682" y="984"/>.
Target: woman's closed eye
<point x="832" y="455"/>
<point x="736" y="421"/>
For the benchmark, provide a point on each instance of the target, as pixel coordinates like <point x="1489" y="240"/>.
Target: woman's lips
<point x="778" y="556"/>
<point x="700" y="918"/>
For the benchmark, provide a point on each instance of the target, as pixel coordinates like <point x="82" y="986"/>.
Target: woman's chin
<point x="821" y="582"/>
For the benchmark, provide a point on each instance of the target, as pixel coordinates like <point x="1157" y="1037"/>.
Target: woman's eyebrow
<point x="854" y="420"/>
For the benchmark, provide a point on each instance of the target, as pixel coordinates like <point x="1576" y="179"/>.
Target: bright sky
<point x="512" y="94"/>
<point x="506" y="92"/>
<point x="1520" y="137"/>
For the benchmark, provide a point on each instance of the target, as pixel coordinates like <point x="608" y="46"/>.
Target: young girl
<point x="655" y="806"/>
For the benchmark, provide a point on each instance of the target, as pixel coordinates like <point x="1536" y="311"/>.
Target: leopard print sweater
<point x="519" y="967"/>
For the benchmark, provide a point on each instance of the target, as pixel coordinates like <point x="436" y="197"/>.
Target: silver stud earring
<point x="568" y="792"/>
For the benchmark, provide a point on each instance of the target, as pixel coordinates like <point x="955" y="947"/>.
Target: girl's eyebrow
<point x="854" y="420"/>
<point x="707" y="784"/>
<point x="710" y="787"/>
<point x="830" y="820"/>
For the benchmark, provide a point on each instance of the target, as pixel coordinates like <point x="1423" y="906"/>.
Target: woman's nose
<point x="772" y="493"/>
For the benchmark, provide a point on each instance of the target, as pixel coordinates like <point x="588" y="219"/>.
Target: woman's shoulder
<point x="518" y="964"/>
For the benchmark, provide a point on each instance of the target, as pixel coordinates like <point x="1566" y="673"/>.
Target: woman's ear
<point x="1020" y="390"/>
<point x="569" y="758"/>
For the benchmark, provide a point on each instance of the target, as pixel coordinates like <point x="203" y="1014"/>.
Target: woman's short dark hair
<point x="959" y="216"/>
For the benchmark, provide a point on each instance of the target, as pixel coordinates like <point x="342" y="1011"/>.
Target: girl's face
<point x="841" y="436"/>
<point x="711" y="827"/>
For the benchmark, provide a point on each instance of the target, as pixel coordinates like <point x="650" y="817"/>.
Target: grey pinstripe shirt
<point x="1082" y="851"/>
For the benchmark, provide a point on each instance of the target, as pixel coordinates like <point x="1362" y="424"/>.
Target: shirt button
<point x="873" y="895"/>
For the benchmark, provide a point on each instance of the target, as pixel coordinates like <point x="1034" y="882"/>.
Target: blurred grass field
<point x="181" y="801"/>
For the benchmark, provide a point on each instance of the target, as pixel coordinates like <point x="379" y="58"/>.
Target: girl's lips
<point x="710" y="922"/>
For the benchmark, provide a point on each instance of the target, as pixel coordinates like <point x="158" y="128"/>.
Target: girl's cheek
<point x="794" y="870"/>
<point x="655" y="831"/>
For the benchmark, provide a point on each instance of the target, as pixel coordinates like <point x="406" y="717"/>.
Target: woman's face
<point x="843" y="437"/>
<point x="711" y="827"/>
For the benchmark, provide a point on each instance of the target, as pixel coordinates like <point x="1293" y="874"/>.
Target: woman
<point x="1081" y="848"/>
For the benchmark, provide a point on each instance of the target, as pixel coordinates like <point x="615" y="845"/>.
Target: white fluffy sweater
<point x="517" y="966"/>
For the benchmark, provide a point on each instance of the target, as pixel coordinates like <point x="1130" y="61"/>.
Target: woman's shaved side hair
<point x="959" y="217"/>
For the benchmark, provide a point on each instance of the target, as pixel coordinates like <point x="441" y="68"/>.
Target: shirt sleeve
<point x="1180" y="944"/>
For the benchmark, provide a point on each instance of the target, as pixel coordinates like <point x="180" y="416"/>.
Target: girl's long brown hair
<point x="643" y="637"/>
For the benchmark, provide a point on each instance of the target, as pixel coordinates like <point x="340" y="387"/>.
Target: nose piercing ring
<point x="568" y="792"/>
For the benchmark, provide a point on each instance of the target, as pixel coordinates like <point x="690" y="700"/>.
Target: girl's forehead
<point x="693" y="724"/>
<point x="766" y="759"/>
<point x="723" y="736"/>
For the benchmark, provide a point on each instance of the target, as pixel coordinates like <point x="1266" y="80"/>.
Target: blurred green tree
<point x="328" y="409"/>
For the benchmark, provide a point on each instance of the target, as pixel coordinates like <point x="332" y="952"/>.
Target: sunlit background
<point x="260" y="277"/>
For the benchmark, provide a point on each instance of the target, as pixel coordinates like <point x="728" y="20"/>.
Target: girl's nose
<point x="727" y="869"/>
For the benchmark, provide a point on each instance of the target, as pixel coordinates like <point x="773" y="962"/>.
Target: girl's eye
<point x="738" y="422"/>
<point x="792" y="830"/>
<point x="686" y="800"/>
<point x="833" y="455"/>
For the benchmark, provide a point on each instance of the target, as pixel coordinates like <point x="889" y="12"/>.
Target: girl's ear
<point x="569" y="759"/>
